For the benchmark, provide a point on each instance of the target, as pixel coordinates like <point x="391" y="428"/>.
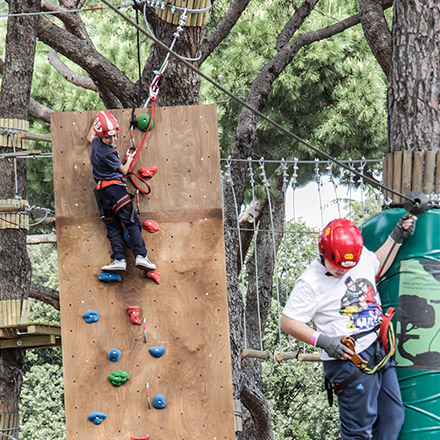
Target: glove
<point x="332" y="345"/>
<point x="399" y="233"/>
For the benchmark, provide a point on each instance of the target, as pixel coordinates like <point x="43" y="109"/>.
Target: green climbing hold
<point x="143" y="121"/>
<point x="118" y="378"/>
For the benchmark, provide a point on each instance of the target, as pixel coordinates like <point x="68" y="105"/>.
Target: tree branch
<point x="45" y="294"/>
<point x="107" y="77"/>
<point x="254" y="402"/>
<point x="223" y="28"/>
<point x="376" y="31"/>
<point x="294" y="23"/>
<point x="63" y="70"/>
<point x="71" y="21"/>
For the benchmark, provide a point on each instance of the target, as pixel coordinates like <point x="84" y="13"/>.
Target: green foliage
<point x="41" y="404"/>
<point x="294" y="389"/>
<point x="44" y="264"/>
<point x="321" y="96"/>
<point x="42" y="395"/>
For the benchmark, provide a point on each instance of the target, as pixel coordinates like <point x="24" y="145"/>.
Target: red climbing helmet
<point x="340" y="243"/>
<point x="105" y="124"/>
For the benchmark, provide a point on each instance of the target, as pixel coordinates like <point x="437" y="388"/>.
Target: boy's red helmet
<point x="105" y="124"/>
<point x="340" y="242"/>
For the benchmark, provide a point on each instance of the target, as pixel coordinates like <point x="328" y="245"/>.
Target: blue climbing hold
<point x="127" y="239"/>
<point x="157" y="352"/>
<point x="114" y="355"/>
<point x="91" y="316"/>
<point x="108" y="277"/>
<point x="97" y="417"/>
<point x="159" y="402"/>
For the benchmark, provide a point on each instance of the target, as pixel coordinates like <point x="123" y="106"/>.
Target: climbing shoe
<point x="144" y="263"/>
<point x="115" y="266"/>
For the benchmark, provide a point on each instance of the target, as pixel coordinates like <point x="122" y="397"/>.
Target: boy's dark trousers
<point x="116" y="217"/>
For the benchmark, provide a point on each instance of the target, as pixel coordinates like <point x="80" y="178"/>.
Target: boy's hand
<point x="405" y="228"/>
<point x="333" y="346"/>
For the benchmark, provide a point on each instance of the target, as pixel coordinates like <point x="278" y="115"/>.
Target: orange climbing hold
<point x="134" y="312"/>
<point x="150" y="226"/>
<point x="155" y="275"/>
<point x="147" y="171"/>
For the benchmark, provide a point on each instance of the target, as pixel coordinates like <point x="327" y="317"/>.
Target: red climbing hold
<point x="141" y="438"/>
<point x="147" y="171"/>
<point x="155" y="275"/>
<point x="150" y="226"/>
<point x="134" y="312"/>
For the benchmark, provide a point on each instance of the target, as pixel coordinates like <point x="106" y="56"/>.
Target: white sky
<point x="307" y="201"/>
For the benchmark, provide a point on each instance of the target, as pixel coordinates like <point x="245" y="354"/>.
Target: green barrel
<point x="412" y="286"/>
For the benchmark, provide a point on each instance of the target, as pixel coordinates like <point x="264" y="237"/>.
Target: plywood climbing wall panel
<point x="186" y="313"/>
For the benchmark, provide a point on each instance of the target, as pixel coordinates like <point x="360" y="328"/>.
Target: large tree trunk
<point x="14" y="262"/>
<point x="413" y="100"/>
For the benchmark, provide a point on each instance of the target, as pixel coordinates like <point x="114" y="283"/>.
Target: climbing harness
<point x="376" y="363"/>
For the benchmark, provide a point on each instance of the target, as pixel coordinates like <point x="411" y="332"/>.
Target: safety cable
<point x="288" y="133"/>
<point x="152" y="3"/>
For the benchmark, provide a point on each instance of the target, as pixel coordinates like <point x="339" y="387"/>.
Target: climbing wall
<point x="186" y="313"/>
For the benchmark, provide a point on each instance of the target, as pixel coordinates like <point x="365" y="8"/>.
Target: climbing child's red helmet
<point x="105" y="124"/>
<point x="340" y="243"/>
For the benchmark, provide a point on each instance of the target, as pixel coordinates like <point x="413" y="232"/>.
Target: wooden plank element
<point x="13" y="140"/>
<point x="27" y="341"/>
<point x="285" y="356"/>
<point x="258" y="354"/>
<point x="9" y="425"/>
<point x="417" y="176"/>
<point x="406" y="171"/>
<point x="187" y="313"/>
<point x="32" y="328"/>
<point x="437" y="175"/>
<point x="397" y="175"/>
<point x="429" y="172"/>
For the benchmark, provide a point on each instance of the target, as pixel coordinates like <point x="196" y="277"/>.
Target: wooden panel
<point x="406" y="171"/>
<point x="429" y="172"/>
<point x="418" y="165"/>
<point x="186" y="313"/>
<point x="397" y="175"/>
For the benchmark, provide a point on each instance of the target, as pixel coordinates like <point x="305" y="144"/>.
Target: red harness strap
<point x="120" y="203"/>
<point x="383" y="331"/>
<point x="105" y="183"/>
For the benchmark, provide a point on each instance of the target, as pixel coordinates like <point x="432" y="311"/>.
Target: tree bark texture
<point x="258" y="303"/>
<point x="413" y="99"/>
<point x="377" y="32"/>
<point x="15" y="266"/>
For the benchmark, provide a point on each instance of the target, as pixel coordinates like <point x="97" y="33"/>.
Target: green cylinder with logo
<point x="412" y="286"/>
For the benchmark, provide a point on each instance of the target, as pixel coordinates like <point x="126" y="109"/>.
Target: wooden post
<point x="193" y="19"/>
<point x="9" y="426"/>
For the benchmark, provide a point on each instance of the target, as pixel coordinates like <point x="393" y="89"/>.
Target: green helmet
<point x="143" y="121"/>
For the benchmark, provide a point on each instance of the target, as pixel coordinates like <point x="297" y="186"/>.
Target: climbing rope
<point x="228" y="179"/>
<point x="254" y="224"/>
<point x="258" y="113"/>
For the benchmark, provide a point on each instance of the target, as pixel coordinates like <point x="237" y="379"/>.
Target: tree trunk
<point x="413" y="100"/>
<point x="14" y="262"/>
<point x="258" y="304"/>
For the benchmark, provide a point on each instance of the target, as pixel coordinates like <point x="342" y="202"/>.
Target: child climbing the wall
<point x="114" y="202"/>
